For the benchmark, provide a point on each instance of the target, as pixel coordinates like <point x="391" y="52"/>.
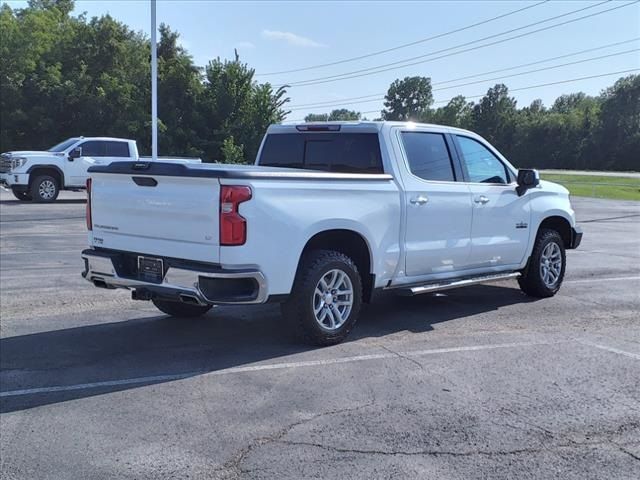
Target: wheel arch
<point x="351" y="243"/>
<point x="52" y="170"/>
<point x="561" y="225"/>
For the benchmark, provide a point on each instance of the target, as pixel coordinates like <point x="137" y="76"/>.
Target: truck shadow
<point x="166" y="348"/>
<point x="67" y="201"/>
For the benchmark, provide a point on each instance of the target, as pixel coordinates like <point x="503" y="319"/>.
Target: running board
<point x="447" y="284"/>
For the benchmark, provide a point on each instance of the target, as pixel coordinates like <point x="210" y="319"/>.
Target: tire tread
<point x="295" y="309"/>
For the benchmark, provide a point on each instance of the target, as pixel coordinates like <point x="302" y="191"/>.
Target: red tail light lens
<point x="88" y="211"/>
<point x="233" y="227"/>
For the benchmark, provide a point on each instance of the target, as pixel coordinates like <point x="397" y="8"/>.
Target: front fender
<point x="548" y="200"/>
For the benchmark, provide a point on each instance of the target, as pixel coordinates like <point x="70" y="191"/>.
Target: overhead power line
<point x="396" y="65"/>
<point x="329" y="103"/>
<point x="527" y="72"/>
<point x="405" y="45"/>
<point x="529" y="87"/>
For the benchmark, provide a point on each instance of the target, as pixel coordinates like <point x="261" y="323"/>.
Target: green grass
<point x="582" y="186"/>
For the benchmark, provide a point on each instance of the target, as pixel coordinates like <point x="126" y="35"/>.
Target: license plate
<point x="150" y="269"/>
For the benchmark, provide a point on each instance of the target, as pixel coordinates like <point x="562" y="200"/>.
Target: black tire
<point x="532" y="280"/>
<point x="180" y="309"/>
<point x="22" y="195"/>
<point x="45" y="189"/>
<point x="298" y="310"/>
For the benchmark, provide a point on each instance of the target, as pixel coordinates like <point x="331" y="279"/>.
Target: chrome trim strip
<point x="181" y="280"/>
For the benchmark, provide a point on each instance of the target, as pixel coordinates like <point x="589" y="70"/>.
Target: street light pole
<point x="154" y="85"/>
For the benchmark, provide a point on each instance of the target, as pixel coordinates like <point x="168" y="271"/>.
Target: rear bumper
<point x="576" y="237"/>
<point x="188" y="282"/>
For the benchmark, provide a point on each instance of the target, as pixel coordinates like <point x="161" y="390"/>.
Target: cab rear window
<point x="329" y="152"/>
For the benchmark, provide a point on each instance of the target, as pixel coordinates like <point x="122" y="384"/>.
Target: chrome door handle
<point x="419" y="200"/>
<point x="481" y="199"/>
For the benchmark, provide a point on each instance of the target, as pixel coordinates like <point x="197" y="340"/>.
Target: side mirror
<point x="527" y="178"/>
<point x="75" y="153"/>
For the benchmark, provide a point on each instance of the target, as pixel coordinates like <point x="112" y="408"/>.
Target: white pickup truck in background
<point x="40" y="175"/>
<point x="329" y="214"/>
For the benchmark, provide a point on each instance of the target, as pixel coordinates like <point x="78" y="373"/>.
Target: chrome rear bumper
<point x="177" y="283"/>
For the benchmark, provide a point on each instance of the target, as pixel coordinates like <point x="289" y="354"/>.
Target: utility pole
<point x="154" y="85"/>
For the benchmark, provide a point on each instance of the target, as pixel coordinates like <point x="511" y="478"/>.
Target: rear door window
<point x="117" y="149"/>
<point x="331" y="152"/>
<point x="428" y="156"/>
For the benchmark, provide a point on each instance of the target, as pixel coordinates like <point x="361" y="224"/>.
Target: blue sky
<point x="276" y="36"/>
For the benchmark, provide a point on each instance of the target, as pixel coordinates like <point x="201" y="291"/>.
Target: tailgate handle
<point x="145" y="181"/>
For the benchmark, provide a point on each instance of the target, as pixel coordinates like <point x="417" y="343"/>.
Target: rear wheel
<point x="44" y="189"/>
<point x="22" y="195"/>
<point x="180" y="309"/>
<point x="545" y="270"/>
<point x="326" y="298"/>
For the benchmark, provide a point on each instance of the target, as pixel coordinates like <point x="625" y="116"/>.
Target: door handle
<point x="419" y="200"/>
<point x="481" y="199"/>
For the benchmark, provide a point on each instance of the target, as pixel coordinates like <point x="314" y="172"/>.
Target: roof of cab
<point x="361" y="126"/>
<point x="106" y="139"/>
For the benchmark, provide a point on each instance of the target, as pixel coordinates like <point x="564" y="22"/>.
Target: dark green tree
<point x="617" y="135"/>
<point x="493" y="117"/>
<point x="408" y="99"/>
<point x="456" y="113"/>
<point x="338" y="115"/>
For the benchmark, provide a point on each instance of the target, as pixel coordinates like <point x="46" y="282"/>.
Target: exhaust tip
<point x="143" y="295"/>
<point x="190" y="299"/>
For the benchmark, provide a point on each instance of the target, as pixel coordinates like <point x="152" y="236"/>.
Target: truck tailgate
<point x="156" y="215"/>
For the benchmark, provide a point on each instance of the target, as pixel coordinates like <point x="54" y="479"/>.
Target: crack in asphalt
<point x="452" y="453"/>
<point x="595" y="220"/>
<point x="234" y="466"/>
<point x="631" y="454"/>
<point x="399" y="355"/>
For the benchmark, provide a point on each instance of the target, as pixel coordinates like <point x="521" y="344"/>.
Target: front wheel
<point x="545" y="271"/>
<point x="180" y="309"/>
<point x="21" y="195"/>
<point x="45" y="189"/>
<point x="326" y="298"/>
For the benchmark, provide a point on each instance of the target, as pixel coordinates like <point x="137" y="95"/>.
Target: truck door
<point x="438" y="206"/>
<point x="500" y="228"/>
<point x="93" y="153"/>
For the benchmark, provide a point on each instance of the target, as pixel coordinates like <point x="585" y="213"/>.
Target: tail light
<point x="88" y="211"/>
<point x="233" y="227"/>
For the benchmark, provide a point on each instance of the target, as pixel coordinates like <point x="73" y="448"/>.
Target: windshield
<point x="63" y="145"/>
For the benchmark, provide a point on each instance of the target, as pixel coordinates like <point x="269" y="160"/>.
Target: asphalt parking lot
<point x="480" y="382"/>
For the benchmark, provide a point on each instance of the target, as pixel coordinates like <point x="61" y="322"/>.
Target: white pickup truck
<point x="329" y="214"/>
<point x="40" y="175"/>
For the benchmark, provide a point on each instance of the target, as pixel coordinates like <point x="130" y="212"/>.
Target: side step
<point x="448" y="284"/>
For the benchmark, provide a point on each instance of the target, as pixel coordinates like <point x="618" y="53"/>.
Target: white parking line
<point x="21" y="235"/>
<point x="38" y="252"/>
<point x="611" y="349"/>
<point x="271" y="366"/>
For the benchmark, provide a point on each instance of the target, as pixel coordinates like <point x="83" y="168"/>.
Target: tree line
<point x="577" y="132"/>
<point x="65" y="75"/>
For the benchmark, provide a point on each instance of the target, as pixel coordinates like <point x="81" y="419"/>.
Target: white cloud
<point x="245" y="45"/>
<point x="291" y="38"/>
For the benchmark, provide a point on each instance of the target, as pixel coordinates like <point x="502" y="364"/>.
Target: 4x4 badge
<point x="522" y="225"/>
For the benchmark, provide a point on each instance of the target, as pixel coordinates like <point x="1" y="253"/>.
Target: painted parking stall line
<point x="271" y="366"/>
<point x="611" y="349"/>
